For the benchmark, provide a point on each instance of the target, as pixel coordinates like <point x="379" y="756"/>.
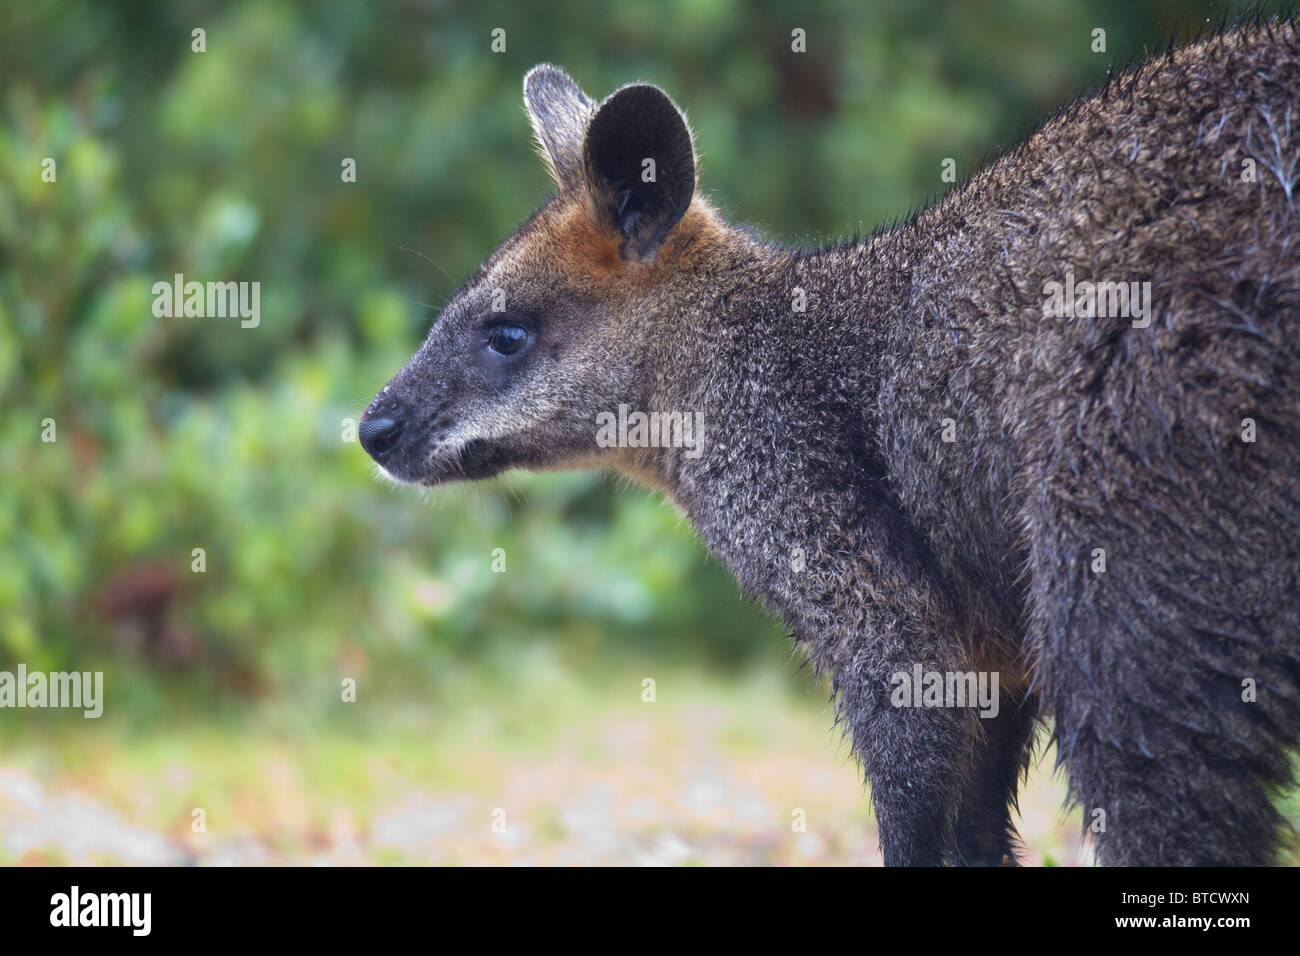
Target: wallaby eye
<point x="507" y="338"/>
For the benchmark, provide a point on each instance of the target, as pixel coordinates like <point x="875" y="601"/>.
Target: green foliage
<point x="176" y="434"/>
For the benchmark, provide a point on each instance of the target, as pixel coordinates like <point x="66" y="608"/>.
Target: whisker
<point x="431" y="261"/>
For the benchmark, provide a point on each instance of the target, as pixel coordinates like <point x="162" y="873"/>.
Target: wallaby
<point x="1046" y="433"/>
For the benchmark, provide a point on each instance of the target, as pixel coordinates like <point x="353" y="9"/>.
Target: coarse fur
<point x="912" y="464"/>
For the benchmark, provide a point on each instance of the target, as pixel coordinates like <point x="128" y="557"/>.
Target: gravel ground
<point x="688" y="785"/>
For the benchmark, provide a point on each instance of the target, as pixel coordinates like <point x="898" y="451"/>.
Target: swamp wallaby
<point x="1045" y="433"/>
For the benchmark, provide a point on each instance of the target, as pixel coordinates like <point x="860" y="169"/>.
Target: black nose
<point x="379" y="435"/>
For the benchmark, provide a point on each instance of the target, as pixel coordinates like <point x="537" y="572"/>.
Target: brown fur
<point x="824" y="481"/>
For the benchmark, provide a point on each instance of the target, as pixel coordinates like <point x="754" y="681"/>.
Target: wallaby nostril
<point x="379" y="435"/>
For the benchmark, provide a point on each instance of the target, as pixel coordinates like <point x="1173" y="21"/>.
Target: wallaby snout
<point x="379" y="436"/>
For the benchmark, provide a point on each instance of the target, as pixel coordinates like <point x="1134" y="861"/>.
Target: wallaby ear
<point x="639" y="163"/>
<point x="559" y="112"/>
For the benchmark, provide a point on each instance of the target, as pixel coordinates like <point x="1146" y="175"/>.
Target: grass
<point x="558" y="768"/>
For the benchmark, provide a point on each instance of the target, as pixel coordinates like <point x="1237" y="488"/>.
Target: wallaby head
<point x="559" y="321"/>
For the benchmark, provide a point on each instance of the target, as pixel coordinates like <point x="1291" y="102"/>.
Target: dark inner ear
<point x="639" y="200"/>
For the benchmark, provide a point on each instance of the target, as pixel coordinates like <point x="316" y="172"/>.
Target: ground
<point x="743" y="771"/>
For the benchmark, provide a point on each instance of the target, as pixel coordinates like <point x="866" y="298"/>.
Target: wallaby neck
<point x="756" y="328"/>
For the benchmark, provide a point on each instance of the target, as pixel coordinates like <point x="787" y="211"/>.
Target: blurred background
<point x="499" y="715"/>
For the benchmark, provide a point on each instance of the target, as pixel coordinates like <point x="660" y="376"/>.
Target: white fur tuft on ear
<point x="559" y="112"/>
